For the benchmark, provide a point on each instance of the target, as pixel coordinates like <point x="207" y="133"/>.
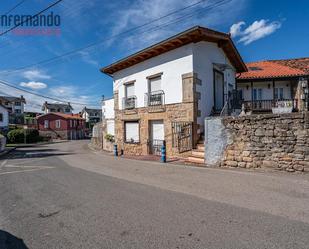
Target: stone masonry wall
<point x="270" y="141"/>
<point x="170" y="113"/>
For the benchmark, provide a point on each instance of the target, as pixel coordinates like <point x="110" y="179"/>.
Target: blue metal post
<point x="115" y="150"/>
<point x="163" y="152"/>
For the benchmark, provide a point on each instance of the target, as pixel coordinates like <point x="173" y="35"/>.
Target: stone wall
<point x="270" y="141"/>
<point x="55" y="134"/>
<point x="168" y="113"/>
<point x="98" y="140"/>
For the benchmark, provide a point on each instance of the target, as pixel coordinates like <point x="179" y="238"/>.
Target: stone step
<point x="198" y="153"/>
<point x="200" y="147"/>
<point x="198" y="160"/>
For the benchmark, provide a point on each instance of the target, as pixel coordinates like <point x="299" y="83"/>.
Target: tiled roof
<point x="193" y="35"/>
<point x="66" y="116"/>
<point x="57" y="105"/>
<point x="276" y="69"/>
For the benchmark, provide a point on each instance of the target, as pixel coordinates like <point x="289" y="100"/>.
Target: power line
<point x="29" y="18"/>
<point x="119" y="34"/>
<point x="14" y="7"/>
<point x="39" y="95"/>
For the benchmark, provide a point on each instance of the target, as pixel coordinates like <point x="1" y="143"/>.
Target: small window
<point x="17" y="103"/>
<point x="132" y="132"/>
<point x="58" y="124"/>
<point x="155" y="84"/>
<point x="46" y="124"/>
<point x="129" y="90"/>
<point x="17" y="111"/>
<point x="1" y="117"/>
<point x="67" y="110"/>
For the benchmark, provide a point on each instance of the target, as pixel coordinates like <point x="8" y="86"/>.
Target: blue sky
<point x="261" y="30"/>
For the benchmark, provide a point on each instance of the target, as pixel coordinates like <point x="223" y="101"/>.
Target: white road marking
<point x="24" y="166"/>
<point x="23" y="171"/>
<point x="3" y="163"/>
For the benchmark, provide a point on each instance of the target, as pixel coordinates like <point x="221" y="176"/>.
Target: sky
<point x="261" y="30"/>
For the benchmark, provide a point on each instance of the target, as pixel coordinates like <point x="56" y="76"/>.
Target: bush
<point x="110" y="138"/>
<point x="17" y="136"/>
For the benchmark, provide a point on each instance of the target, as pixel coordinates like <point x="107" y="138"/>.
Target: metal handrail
<point x="155" y="98"/>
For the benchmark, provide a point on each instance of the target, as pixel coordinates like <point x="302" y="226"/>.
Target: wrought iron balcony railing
<point x="129" y="102"/>
<point x="156" y="98"/>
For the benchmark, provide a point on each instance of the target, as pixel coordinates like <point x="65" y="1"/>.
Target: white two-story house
<point x="164" y="92"/>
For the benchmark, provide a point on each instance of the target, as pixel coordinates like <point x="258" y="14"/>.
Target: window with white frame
<point x="154" y="84"/>
<point x="46" y="124"/>
<point x="129" y="90"/>
<point x="132" y="132"/>
<point x="58" y="124"/>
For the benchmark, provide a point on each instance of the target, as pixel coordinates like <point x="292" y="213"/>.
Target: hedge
<point x="17" y="136"/>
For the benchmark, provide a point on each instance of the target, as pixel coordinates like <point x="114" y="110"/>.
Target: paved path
<point x="67" y="196"/>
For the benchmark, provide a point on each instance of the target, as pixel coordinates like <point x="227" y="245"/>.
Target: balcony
<point x="156" y="98"/>
<point x="268" y="105"/>
<point x="129" y="103"/>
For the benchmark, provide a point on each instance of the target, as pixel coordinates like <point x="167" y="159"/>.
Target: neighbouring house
<point x="92" y="116"/>
<point x="61" y="126"/>
<point x="108" y="115"/>
<point x="15" y="107"/>
<point x="57" y="107"/>
<point x="164" y="92"/>
<point x="275" y="84"/>
<point x="4" y="119"/>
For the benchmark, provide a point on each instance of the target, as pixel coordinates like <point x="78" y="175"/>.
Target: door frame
<point x="214" y="87"/>
<point x="150" y="134"/>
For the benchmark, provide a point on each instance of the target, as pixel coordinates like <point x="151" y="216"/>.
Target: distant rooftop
<point x="276" y="69"/>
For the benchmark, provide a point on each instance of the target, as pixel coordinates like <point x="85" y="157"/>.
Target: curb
<point x="7" y="151"/>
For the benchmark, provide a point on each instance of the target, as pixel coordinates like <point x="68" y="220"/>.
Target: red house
<point x="61" y="126"/>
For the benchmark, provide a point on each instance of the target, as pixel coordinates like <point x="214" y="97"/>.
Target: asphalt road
<point x="67" y="196"/>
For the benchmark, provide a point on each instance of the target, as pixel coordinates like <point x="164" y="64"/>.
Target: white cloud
<point x="34" y="85"/>
<point x="235" y="29"/>
<point x="36" y="75"/>
<point x="208" y="13"/>
<point x="257" y="30"/>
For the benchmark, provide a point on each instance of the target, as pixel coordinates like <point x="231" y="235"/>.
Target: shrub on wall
<point x="110" y="138"/>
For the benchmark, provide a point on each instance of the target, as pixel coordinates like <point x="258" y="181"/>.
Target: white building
<point x="57" y="107"/>
<point x="164" y="92"/>
<point x="108" y="115"/>
<point x="4" y="118"/>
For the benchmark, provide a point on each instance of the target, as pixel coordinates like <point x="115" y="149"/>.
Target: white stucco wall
<point x="108" y="109"/>
<point x="172" y="64"/>
<point x="204" y="56"/>
<point x="5" y="121"/>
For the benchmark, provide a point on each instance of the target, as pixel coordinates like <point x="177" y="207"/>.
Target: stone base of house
<point x="64" y="135"/>
<point x="182" y="112"/>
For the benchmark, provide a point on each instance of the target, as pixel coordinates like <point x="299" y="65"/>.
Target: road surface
<point x="65" y="195"/>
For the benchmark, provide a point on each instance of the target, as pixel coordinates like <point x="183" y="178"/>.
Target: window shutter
<point x="132" y="132"/>
<point x="155" y="84"/>
<point x="130" y="90"/>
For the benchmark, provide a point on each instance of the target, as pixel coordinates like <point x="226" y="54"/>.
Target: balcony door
<point x="218" y="90"/>
<point x="155" y="91"/>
